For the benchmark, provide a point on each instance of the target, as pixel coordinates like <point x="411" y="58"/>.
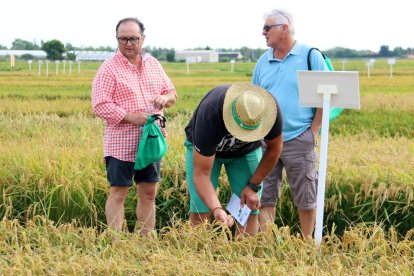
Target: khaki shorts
<point x="299" y="158"/>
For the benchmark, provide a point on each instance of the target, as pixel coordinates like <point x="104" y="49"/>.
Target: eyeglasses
<point x="267" y="28"/>
<point x="124" y="40"/>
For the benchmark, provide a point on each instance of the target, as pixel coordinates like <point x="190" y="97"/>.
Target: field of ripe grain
<point x="53" y="185"/>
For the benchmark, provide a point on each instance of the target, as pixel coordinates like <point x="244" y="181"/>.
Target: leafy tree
<point x="384" y="51"/>
<point x="170" y="55"/>
<point x="27" y="57"/>
<point x="69" y="47"/>
<point x="399" y="52"/>
<point x="3" y="47"/>
<point x="91" y="48"/>
<point x="156" y="52"/>
<point x="20" y="44"/>
<point x="70" y="56"/>
<point x="54" y="49"/>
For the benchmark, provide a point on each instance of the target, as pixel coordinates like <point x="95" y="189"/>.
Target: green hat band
<point x="239" y="122"/>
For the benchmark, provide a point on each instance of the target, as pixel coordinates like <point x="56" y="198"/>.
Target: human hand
<point x="138" y="119"/>
<point x="221" y="216"/>
<point x="251" y="198"/>
<point x="315" y="132"/>
<point x="160" y="101"/>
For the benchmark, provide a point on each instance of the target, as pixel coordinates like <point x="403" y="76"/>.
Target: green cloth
<point x="152" y="146"/>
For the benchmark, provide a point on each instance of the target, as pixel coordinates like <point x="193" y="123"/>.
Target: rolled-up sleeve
<point x="103" y="89"/>
<point x="168" y="85"/>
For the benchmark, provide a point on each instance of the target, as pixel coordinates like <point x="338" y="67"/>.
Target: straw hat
<point x="249" y="111"/>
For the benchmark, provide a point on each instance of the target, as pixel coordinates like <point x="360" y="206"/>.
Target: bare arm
<point x="138" y="119"/>
<point x="202" y="170"/>
<point x="317" y="122"/>
<point x="269" y="160"/>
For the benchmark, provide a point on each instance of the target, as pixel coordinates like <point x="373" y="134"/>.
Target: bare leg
<point x="266" y="218"/>
<point x="199" y="218"/>
<point x="307" y="221"/>
<point x="251" y="229"/>
<point x="146" y="206"/>
<point x="114" y="207"/>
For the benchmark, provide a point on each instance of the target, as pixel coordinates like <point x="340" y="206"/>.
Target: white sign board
<point x="343" y="64"/>
<point x="346" y="84"/>
<point x="326" y="89"/>
<point x="193" y="59"/>
<point x="391" y="61"/>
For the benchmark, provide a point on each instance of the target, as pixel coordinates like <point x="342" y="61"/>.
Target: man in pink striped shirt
<point x="127" y="89"/>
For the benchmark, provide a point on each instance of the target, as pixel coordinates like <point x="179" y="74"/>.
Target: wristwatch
<point x="254" y="187"/>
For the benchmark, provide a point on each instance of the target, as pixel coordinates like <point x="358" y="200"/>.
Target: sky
<point x="186" y="24"/>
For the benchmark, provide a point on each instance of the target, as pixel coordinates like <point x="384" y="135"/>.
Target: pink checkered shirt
<point x="119" y="88"/>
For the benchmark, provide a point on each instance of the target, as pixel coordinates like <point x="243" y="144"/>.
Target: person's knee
<point x="307" y="210"/>
<point x="147" y="192"/>
<point x="118" y="194"/>
<point x="148" y="195"/>
<point x="199" y="218"/>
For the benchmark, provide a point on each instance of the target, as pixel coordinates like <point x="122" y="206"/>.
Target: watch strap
<point x="255" y="187"/>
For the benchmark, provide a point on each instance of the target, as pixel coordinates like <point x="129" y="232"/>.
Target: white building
<point x="18" y="53"/>
<point x="93" y="55"/>
<point x="197" y="55"/>
<point x="232" y="55"/>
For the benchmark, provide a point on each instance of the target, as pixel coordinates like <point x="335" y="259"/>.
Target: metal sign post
<point x="57" y="66"/>
<point x="47" y="67"/>
<point x="368" y="64"/>
<point x="391" y="61"/>
<point x="40" y="66"/>
<point x="326" y="91"/>
<point x="70" y="67"/>
<point x="372" y="61"/>
<point x="189" y="60"/>
<point x="12" y="61"/>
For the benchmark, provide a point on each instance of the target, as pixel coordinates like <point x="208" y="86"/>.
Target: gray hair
<point x="281" y="17"/>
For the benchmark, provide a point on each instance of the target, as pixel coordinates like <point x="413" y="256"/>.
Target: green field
<point x="53" y="184"/>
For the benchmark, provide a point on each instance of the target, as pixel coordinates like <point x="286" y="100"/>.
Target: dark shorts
<point x="299" y="158"/>
<point x="121" y="173"/>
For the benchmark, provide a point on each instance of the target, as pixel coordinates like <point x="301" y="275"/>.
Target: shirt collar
<point x="294" y="51"/>
<point x="143" y="54"/>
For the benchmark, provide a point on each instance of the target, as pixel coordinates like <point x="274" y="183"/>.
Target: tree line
<point x="56" y="50"/>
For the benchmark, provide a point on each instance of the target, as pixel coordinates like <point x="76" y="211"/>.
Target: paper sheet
<point x="241" y="214"/>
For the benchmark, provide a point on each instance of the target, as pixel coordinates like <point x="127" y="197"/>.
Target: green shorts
<point x="239" y="172"/>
